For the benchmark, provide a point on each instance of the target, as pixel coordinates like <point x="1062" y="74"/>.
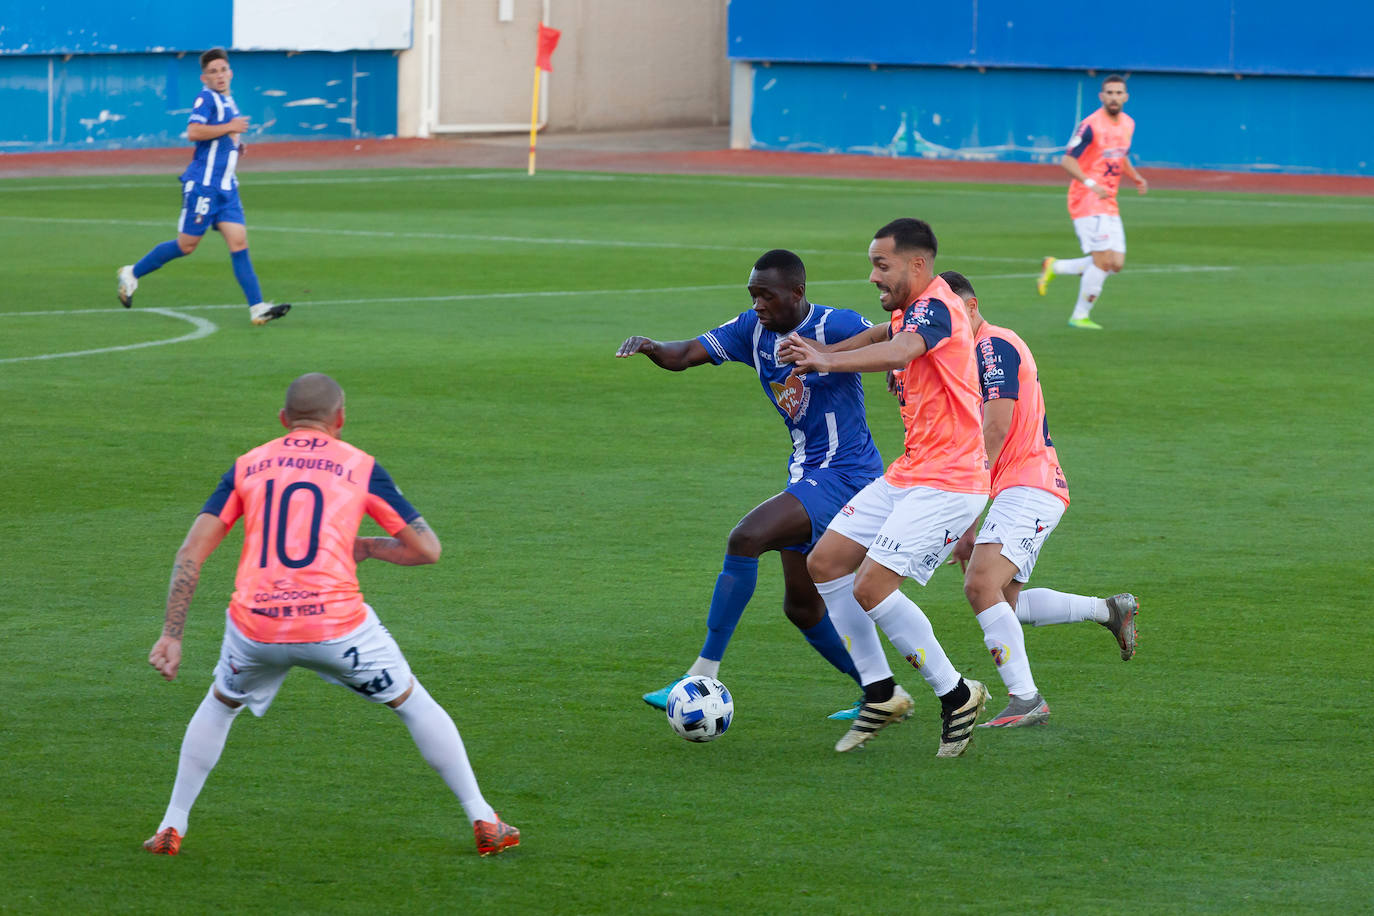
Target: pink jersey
<point x="1028" y="459"/>
<point x="1100" y="145"/>
<point x="938" y="391"/>
<point x="302" y="497"/>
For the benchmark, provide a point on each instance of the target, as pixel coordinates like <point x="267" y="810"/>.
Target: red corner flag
<point x="548" y="40"/>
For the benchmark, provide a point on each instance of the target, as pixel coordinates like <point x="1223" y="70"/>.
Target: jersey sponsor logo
<point x="917" y="316"/>
<point x="792" y="397"/>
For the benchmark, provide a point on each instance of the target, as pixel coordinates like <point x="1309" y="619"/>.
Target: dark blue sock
<point x="161" y="254"/>
<point x="825" y="639"/>
<point x="243" y="272"/>
<point x="734" y="588"/>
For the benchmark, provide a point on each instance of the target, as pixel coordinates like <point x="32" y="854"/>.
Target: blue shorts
<point x="203" y="207"/>
<point x="823" y="492"/>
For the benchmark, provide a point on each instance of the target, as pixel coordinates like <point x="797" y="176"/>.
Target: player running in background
<point x="210" y="191"/>
<point x="1098" y="154"/>
<point x="296" y="601"/>
<point x="832" y="458"/>
<point x="1029" y="497"/>
<point x="905" y="523"/>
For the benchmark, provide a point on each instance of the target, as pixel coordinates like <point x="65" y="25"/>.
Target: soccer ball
<point x="700" y="708"/>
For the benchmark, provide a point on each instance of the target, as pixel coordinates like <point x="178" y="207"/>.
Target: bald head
<point x="314" y="396"/>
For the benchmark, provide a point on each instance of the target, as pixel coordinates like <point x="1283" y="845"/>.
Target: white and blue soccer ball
<point x="700" y="708"/>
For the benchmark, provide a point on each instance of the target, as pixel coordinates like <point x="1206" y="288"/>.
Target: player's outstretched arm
<point x="674" y="355"/>
<point x="414" y="545"/>
<point x="876" y="334"/>
<point x="206" y="533"/>
<point x="874" y="357"/>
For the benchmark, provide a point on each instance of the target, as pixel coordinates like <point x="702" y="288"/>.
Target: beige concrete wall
<point x="621" y="64"/>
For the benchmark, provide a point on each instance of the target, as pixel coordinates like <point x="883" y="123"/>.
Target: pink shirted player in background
<point x="296" y="601"/>
<point x="1097" y="157"/>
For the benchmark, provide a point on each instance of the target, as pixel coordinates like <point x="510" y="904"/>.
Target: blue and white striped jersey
<point x="215" y="160"/>
<point x="824" y="411"/>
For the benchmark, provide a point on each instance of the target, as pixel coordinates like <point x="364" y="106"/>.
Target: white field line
<point x="203" y="328"/>
<point x="528" y="294"/>
<point x="839" y="184"/>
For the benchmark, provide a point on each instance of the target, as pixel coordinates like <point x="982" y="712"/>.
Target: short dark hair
<point x="907" y="233"/>
<point x="1113" y="78"/>
<point x="213" y="55"/>
<point x="959" y="284"/>
<point x="789" y="267"/>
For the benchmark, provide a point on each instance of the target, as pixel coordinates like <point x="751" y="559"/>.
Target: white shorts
<point x="909" y="530"/>
<point x="1021" y="518"/>
<point x="367" y="660"/>
<point x="1103" y="232"/>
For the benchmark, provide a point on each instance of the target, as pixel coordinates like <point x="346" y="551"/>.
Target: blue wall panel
<point x="100" y="26"/>
<point x="1028" y="115"/>
<point x="134" y="100"/>
<point x="1321" y="37"/>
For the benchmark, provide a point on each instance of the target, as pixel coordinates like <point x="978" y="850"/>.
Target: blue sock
<point x="734" y="588"/>
<point x="825" y="639"/>
<point x="161" y="254"/>
<point x="243" y="272"/>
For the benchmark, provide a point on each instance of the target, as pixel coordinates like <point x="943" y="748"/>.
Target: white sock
<point x="910" y="631"/>
<point x="856" y="629"/>
<point x="1072" y="266"/>
<point x="1004" y="639"/>
<point x="706" y="666"/>
<point x="1089" y="288"/>
<point x="1044" y="606"/>
<point x="439" y="742"/>
<point x="200" y="749"/>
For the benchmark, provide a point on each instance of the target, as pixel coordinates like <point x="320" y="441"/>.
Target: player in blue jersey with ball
<point x="210" y="191"/>
<point x="832" y="458"/>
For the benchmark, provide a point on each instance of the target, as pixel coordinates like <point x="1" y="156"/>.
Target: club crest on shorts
<point x="792" y="396"/>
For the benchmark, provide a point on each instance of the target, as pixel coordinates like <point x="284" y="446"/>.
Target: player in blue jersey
<point x="832" y="458"/>
<point x="210" y="191"/>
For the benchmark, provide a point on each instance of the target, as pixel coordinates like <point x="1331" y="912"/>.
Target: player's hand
<point x="360" y="549"/>
<point x="635" y="345"/>
<point x="1142" y="185"/>
<point x="166" y="656"/>
<point x="963" y="549"/>
<point x="237" y="125"/>
<point x="1101" y="192"/>
<point x="802" y="354"/>
<point x="894" y="381"/>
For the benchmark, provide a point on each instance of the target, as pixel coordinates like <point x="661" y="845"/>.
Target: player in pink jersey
<point x="296" y="601"/>
<point x="905" y="523"/>
<point x="1098" y="155"/>
<point x="1029" y="497"/>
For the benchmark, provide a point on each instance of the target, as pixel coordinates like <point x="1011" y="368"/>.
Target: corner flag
<point x="548" y="40"/>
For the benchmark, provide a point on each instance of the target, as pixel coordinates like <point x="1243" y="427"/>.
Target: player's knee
<point x="824" y="567"/>
<point x="745" y="541"/>
<point x="803" y="614"/>
<point x="981" y="593"/>
<point x="870" y="591"/>
<point x="188" y="245"/>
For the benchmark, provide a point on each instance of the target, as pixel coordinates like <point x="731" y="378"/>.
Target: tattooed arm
<point x="205" y="535"/>
<point x="414" y="545"/>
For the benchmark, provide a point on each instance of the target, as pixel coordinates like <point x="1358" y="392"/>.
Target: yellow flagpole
<point x="534" y="117"/>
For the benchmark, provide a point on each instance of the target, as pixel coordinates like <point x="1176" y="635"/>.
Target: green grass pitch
<point x="1215" y="437"/>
